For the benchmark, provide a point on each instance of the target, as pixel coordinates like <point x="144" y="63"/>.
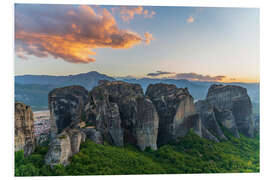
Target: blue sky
<point x="184" y="40"/>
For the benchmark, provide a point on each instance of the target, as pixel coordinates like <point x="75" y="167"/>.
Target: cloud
<point x="158" y="73"/>
<point x="148" y="37"/>
<point x="197" y="77"/>
<point x="69" y="32"/>
<point x="128" y="13"/>
<point x="195" y="14"/>
<point x="190" y="19"/>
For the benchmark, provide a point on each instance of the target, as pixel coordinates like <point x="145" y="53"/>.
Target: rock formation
<point x="174" y="106"/>
<point x="66" y="107"/>
<point x="234" y="99"/>
<point x="209" y="120"/>
<point x="226" y="118"/>
<point x="122" y="113"/>
<point x="256" y="123"/>
<point x="24" y="128"/>
<point x="206" y="134"/>
<point x="93" y="135"/>
<point x="104" y="115"/>
<point x="63" y="146"/>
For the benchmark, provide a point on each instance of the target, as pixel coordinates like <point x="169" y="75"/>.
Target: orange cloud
<point x="70" y="33"/>
<point x="190" y="19"/>
<point x="148" y="37"/>
<point x="128" y="13"/>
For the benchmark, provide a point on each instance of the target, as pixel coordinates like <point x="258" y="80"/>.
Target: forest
<point x="191" y="154"/>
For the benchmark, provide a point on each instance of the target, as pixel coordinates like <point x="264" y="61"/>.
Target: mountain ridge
<point x="33" y="89"/>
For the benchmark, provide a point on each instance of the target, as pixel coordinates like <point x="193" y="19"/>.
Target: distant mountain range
<point x="87" y="80"/>
<point x="33" y="89"/>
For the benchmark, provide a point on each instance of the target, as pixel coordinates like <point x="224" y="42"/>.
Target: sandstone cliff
<point x="24" y="128"/>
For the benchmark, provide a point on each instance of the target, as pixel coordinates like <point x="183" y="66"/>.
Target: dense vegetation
<point x="191" y="155"/>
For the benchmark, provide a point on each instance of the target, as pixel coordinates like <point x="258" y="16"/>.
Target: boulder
<point x="24" y="129"/>
<point x="173" y="105"/>
<point x="235" y="99"/>
<point x="66" y="107"/>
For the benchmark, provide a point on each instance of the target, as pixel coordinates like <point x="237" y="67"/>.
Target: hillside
<point x="191" y="155"/>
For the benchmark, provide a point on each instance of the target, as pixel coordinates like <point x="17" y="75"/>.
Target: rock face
<point x="66" y="107"/>
<point x="93" y="134"/>
<point x="256" y="123"/>
<point x="226" y="118"/>
<point x="236" y="100"/>
<point x="189" y="122"/>
<point x="206" y="134"/>
<point x="104" y="115"/>
<point x="63" y="146"/>
<point x="24" y="128"/>
<point x="209" y="120"/>
<point x="174" y="106"/>
<point x="122" y="113"/>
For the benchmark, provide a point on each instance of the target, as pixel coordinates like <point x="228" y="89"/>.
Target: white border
<point x="7" y="89"/>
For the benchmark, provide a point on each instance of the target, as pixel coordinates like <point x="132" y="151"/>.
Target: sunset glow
<point x="197" y="44"/>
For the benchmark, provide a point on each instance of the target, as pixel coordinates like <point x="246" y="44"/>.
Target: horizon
<point x="192" y="43"/>
<point x="144" y="77"/>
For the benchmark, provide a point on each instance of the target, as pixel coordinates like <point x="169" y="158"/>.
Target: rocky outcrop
<point x="209" y="120"/>
<point x="206" y="134"/>
<point x="146" y="127"/>
<point x="189" y="122"/>
<point x="226" y="118"/>
<point x="94" y="135"/>
<point x="24" y="129"/>
<point x="105" y="115"/>
<point x="122" y="113"/>
<point x="63" y="146"/>
<point x="174" y="106"/>
<point x="256" y="119"/>
<point x="66" y="107"/>
<point x="235" y="99"/>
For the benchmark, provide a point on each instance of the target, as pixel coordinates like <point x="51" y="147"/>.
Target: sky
<point x="202" y="44"/>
